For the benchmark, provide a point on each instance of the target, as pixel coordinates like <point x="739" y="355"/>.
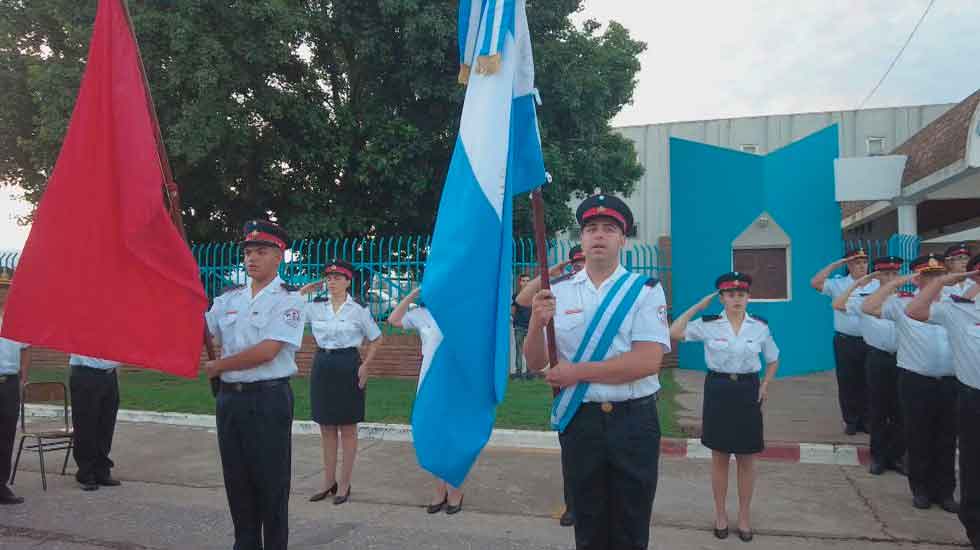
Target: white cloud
<point x="712" y="59"/>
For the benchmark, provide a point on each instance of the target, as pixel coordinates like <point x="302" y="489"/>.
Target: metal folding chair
<point x="49" y="435"/>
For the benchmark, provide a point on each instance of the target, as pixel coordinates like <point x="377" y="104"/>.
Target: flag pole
<point x="541" y="249"/>
<point x="170" y="190"/>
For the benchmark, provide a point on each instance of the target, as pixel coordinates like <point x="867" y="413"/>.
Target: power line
<point x="899" y="55"/>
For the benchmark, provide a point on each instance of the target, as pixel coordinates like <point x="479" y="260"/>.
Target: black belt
<point x="93" y="370"/>
<point x="733" y="376"/>
<point x="4" y="378"/>
<point x="337" y="350"/>
<point x="609" y="406"/>
<point x="849" y="336"/>
<point x="261" y="385"/>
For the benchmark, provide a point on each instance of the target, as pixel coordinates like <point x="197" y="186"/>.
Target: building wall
<point x="723" y="193"/>
<point x="651" y="199"/>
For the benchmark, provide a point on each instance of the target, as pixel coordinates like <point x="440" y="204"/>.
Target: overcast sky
<point x="718" y="59"/>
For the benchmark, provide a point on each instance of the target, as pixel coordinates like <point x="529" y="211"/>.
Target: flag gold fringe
<point x="464" y="74"/>
<point x="488" y="64"/>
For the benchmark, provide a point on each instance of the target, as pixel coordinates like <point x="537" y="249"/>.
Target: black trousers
<point x="929" y="414"/>
<point x="94" y="405"/>
<point x="887" y="432"/>
<point x="566" y="490"/>
<point x="254" y="438"/>
<point x="850" y="353"/>
<point x="969" y="432"/>
<point x="611" y="461"/>
<point x="9" y="411"/>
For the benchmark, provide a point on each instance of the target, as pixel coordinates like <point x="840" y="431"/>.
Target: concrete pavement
<point x="172" y="497"/>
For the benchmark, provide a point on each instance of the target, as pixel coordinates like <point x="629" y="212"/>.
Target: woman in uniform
<point x="445" y="495"/>
<point x="733" y="392"/>
<point x="340" y="326"/>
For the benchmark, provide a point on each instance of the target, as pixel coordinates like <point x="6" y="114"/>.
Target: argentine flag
<point x="467" y="282"/>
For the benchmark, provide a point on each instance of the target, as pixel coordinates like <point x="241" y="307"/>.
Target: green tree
<point x="338" y="118"/>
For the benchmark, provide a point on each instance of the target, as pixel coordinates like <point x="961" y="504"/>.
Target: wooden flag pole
<point x="541" y="248"/>
<point x="170" y="191"/>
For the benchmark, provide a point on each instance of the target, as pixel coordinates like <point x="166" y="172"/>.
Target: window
<point x="767" y="266"/>
<point x="750" y="148"/>
<point x="876" y="145"/>
<point x="763" y="251"/>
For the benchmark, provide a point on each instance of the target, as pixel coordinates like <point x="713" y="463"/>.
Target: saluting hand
<point x="562" y="375"/>
<point x="543" y="307"/>
<point x="953" y="278"/>
<point x="706" y="301"/>
<point x="557" y="270"/>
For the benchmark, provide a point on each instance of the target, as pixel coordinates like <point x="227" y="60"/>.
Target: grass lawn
<point x="527" y="405"/>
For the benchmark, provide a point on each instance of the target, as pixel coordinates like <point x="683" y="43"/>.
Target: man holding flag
<point x="468" y="275"/>
<point x="611" y="328"/>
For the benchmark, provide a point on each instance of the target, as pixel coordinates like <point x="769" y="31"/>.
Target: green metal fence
<point x="388" y="268"/>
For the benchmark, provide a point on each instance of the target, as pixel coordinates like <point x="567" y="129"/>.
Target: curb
<point x="802" y="453"/>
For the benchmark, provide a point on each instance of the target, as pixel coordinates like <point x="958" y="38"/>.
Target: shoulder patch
<point x="761" y="319"/>
<point x="961" y="300"/>
<point x="710" y="318"/>
<point x="323" y="298"/>
<point x="653" y="282"/>
<point x="231" y="288"/>
<point x="905" y="294"/>
<point x="289" y="288"/>
<point x="562" y="278"/>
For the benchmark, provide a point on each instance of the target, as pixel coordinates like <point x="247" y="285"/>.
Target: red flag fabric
<point x="104" y="271"/>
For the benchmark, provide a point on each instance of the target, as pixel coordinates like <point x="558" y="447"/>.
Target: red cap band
<point x="266" y="237"/>
<point x="959" y="252"/>
<point x="578" y="256"/>
<point x="338" y="269"/>
<point x="888" y="266"/>
<point x="603" y="211"/>
<point x="733" y="285"/>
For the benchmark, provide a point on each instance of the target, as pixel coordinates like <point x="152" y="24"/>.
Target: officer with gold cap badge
<point x="961" y="318"/>
<point x="260" y="327"/>
<point x="606" y="413"/>
<point x="850" y="349"/>
<point x="733" y="391"/>
<point x="926" y="388"/>
<point x="881" y="368"/>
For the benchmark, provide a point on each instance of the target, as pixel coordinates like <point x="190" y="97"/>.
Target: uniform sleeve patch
<point x="662" y="314"/>
<point x="292" y="317"/>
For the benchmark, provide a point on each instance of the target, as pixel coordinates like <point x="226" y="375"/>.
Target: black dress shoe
<point x="89" y="485"/>
<point x="436" y="508"/>
<point x="324" y="494"/>
<point x="340" y="499"/>
<point x="921" y="502"/>
<point x="949" y="504"/>
<point x="567" y="518"/>
<point x="875" y="468"/>
<point x="746" y="535"/>
<point x="108" y="481"/>
<point x="721" y="533"/>
<point x="454" y="508"/>
<point x="850" y="429"/>
<point x="8" y="497"/>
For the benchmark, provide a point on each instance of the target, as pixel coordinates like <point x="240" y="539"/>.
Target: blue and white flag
<point x="467" y="282"/>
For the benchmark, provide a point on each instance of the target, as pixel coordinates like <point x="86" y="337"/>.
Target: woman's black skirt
<point x="732" y="419"/>
<point x="335" y="399"/>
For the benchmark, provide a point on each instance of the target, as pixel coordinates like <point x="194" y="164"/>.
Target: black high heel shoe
<point x="324" y="494"/>
<point x="436" y="508"/>
<point x="454" y="508"/>
<point x="340" y="499"/>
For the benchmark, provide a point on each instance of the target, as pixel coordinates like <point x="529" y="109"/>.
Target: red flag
<point x="105" y="272"/>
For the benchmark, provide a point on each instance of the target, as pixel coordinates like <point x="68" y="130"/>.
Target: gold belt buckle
<point x="606" y="407"/>
<point x="734" y="377"/>
<point x="3" y="379"/>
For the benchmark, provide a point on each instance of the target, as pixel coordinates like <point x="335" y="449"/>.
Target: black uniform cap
<point x="888" y="263"/>
<point x="340" y="267"/>
<point x="930" y="263"/>
<point x="266" y="233"/>
<point x="734" y="280"/>
<point x="608" y="206"/>
<point x="958" y="249"/>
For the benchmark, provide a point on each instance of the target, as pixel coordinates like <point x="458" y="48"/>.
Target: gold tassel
<point x="464" y="74"/>
<point x="488" y="64"/>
